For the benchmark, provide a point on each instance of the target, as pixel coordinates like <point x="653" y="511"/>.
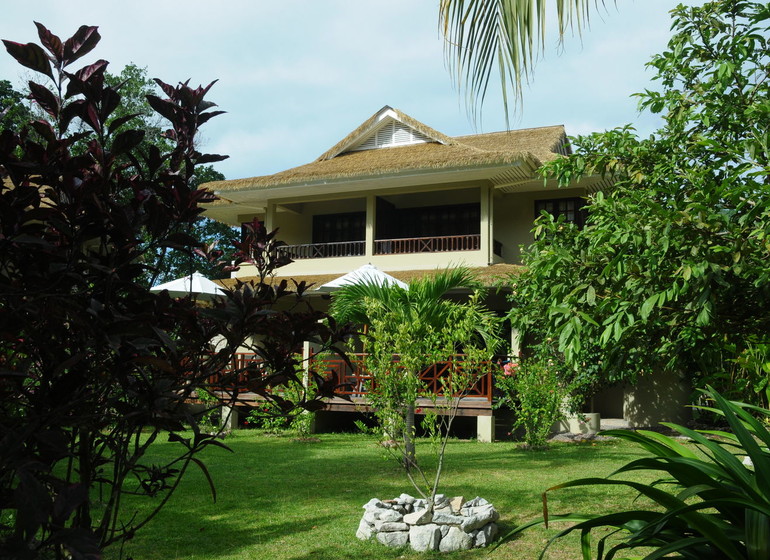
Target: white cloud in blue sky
<point x="296" y="76"/>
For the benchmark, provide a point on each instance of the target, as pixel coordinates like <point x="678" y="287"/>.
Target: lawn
<point x="281" y="499"/>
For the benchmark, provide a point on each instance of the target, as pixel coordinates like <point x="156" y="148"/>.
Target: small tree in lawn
<point x="93" y="366"/>
<point x="409" y="330"/>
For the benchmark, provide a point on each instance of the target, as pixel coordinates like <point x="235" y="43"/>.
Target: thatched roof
<point x="533" y="146"/>
<point x="489" y="276"/>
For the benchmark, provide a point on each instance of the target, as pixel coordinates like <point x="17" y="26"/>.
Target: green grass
<point x="281" y="499"/>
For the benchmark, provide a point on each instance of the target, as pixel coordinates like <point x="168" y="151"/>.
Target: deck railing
<point x="236" y="373"/>
<point x="324" y="250"/>
<point x="354" y="379"/>
<point x="442" y="244"/>
<point x="402" y="246"/>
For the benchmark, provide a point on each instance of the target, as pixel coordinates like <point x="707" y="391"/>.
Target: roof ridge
<point x="510" y="131"/>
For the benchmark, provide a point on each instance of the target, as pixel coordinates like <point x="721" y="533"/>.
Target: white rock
<point x="389" y="526"/>
<point x="440" y="501"/>
<point x="406" y="498"/>
<point x="370" y="517"/>
<point x="455" y="539"/>
<point x="477" y="501"/>
<point x="479" y="518"/>
<point x="394" y="539"/>
<point x="424" y="537"/>
<point x="449" y="519"/>
<point x="485" y="535"/>
<point x="372" y="504"/>
<point x="456" y="504"/>
<point x="418" y="517"/>
<point x="389" y="515"/>
<point x="365" y="531"/>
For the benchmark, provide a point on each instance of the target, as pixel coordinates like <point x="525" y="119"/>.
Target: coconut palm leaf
<point x="507" y="35"/>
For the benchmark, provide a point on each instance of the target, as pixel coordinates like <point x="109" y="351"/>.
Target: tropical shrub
<point x="536" y="392"/>
<point x="270" y="417"/>
<point x="712" y="500"/>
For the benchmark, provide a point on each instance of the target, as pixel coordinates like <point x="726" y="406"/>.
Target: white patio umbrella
<point x="195" y="284"/>
<point x="367" y="273"/>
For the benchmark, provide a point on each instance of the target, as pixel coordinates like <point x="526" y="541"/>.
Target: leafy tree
<point x="670" y="271"/>
<point x="13" y="112"/>
<point x="216" y="239"/>
<point x="94" y="367"/>
<point x="504" y="35"/>
<point x="135" y="86"/>
<point x="409" y="330"/>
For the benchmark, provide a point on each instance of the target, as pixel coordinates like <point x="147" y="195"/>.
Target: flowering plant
<point x="534" y="390"/>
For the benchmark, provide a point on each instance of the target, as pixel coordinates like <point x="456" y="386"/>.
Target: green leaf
<point x="590" y="295"/>
<point x="648" y="306"/>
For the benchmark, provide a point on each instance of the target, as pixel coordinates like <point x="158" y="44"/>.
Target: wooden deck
<point x="354" y="381"/>
<point x="468" y="406"/>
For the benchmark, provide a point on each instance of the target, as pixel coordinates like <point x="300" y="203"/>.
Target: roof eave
<point x="411" y="177"/>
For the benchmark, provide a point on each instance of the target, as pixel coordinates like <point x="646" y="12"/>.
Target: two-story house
<point x="404" y="197"/>
<point x="408" y="199"/>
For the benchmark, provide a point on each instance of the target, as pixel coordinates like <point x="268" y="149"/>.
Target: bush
<point x="533" y="389"/>
<point x="271" y="418"/>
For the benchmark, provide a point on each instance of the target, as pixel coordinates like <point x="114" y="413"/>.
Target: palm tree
<point x="421" y="326"/>
<point x="482" y="35"/>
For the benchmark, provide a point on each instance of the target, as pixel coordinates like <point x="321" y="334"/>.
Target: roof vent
<point x="392" y="133"/>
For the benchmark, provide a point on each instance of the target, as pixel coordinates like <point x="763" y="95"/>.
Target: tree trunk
<point x="409" y="431"/>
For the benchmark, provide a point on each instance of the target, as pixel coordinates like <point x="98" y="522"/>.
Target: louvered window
<point x="393" y="133"/>
<point x="573" y="209"/>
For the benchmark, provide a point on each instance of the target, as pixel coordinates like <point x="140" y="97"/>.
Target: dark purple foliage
<point x="93" y="366"/>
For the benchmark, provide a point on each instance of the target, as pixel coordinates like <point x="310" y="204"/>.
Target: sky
<point x="296" y="76"/>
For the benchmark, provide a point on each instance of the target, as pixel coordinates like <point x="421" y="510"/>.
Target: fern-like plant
<point x="711" y="502"/>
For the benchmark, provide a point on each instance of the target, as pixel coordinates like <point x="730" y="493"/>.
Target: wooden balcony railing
<point x="354" y="378"/>
<point x="236" y="373"/>
<point x="325" y="250"/>
<point x="440" y="244"/>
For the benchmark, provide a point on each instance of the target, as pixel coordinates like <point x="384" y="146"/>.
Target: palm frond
<point x="481" y="35"/>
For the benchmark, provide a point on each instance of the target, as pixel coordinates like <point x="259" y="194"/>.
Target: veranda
<point x="355" y="381"/>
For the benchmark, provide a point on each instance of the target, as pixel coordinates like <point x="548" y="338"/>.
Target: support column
<point x="515" y="342"/>
<point x="371" y="224"/>
<point x="270" y="217"/>
<point x="487" y="209"/>
<point x="307" y="353"/>
<point x="228" y="419"/>
<point x="485" y="429"/>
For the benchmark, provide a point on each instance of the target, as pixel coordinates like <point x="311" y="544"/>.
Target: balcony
<point x="325" y="250"/>
<point x="403" y="246"/>
<point x="442" y="244"/>
<point x="355" y="382"/>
